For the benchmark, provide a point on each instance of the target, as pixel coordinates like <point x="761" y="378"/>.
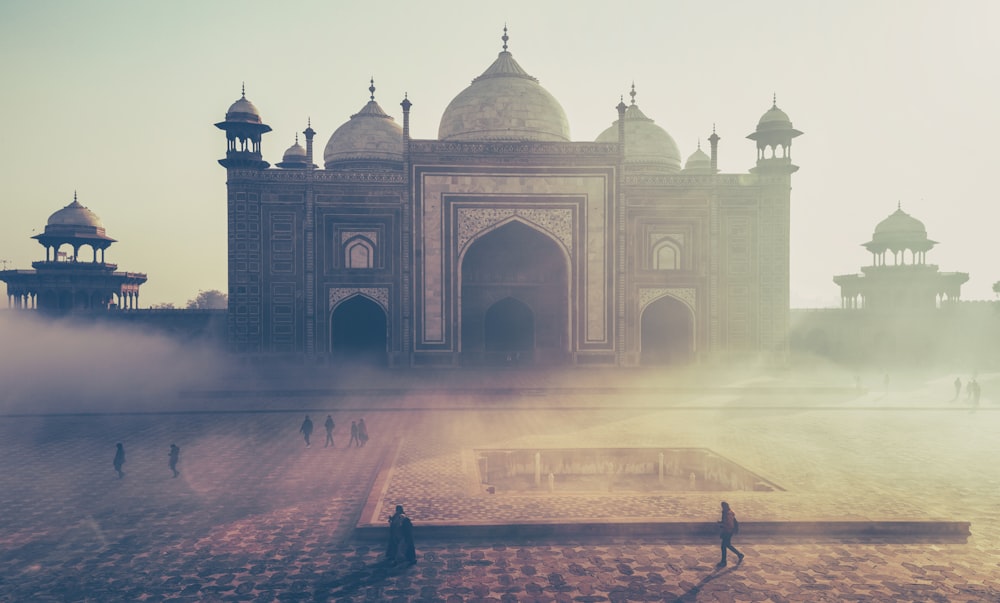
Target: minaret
<point x="243" y="127"/>
<point x="714" y="141"/>
<point x="309" y="133"/>
<point x="774" y="171"/>
<point x="774" y="136"/>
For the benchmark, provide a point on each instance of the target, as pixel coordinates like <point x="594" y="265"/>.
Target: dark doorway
<point x="515" y="299"/>
<point x="510" y="327"/>
<point x="667" y="333"/>
<point x="358" y="332"/>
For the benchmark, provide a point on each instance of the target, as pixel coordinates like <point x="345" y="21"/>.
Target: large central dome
<point x="506" y="104"/>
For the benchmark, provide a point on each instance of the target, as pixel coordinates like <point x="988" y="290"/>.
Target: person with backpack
<point x="728" y="526"/>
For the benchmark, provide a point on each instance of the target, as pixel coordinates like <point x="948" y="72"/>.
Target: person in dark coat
<point x="401" y="546"/>
<point x="306" y="430"/>
<point x="174" y="456"/>
<point x="727" y="527"/>
<point x="119" y="459"/>
<point x="354" y="434"/>
<point x="329" y="425"/>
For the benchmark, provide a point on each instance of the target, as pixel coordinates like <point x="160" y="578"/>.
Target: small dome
<point x="295" y="156"/>
<point x="774" y="119"/>
<point x="698" y="162"/>
<point x="371" y="135"/>
<point x="504" y="104"/>
<point x="243" y="110"/>
<point x="648" y="147"/>
<point x="75" y="214"/>
<point x="900" y="223"/>
<point x="900" y="231"/>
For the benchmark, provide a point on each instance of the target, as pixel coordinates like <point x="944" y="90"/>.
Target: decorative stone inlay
<point x="472" y="221"/>
<point x="317" y="176"/>
<point x="371" y="235"/>
<point x="517" y="148"/>
<point x="676" y="237"/>
<point x="684" y="294"/>
<point x="378" y="294"/>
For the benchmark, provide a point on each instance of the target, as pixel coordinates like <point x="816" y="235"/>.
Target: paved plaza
<point x="257" y="516"/>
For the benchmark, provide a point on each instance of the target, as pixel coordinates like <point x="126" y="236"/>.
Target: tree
<point x="163" y="306"/>
<point x="209" y="300"/>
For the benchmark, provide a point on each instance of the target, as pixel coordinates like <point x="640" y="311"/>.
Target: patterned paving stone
<point x="257" y="516"/>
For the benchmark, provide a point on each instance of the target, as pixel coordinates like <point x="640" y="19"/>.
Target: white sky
<point x="899" y="102"/>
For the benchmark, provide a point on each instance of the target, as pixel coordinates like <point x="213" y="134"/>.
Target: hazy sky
<point x="899" y="102"/>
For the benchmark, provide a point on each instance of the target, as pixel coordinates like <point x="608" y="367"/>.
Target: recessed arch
<point x="514" y="277"/>
<point x="666" y="332"/>
<point x="359" y="252"/>
<point x="359" y="331"/>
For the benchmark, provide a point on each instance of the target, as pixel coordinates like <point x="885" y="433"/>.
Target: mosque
<point x="504" y="241"/>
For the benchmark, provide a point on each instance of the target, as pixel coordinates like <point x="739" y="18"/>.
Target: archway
<point x="667" y="333"/>
<point x="358" y="332"/>
<point x="515" y="298"/>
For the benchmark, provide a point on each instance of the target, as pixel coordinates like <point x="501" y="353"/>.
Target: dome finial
<point x="632" y="93"/>
<point x="899" y="206"/>
<point x="504" y="37"/>
<point x="296" y="138"/>
<point x="699" y="144"/>
<point x="774" y="100"/>
<point x="371" y="88"/>
<point x="243" y="89"/>
<point x="309" y="122"/>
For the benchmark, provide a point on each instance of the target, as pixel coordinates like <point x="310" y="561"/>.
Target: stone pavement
<point x="257" y="516"/>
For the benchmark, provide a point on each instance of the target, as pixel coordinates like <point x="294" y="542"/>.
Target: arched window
<point x="359" y="252"/>
<point x="667" y="255"/>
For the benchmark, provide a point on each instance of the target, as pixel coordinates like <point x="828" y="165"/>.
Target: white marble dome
<point x="371" y="136"/>
<point x="504" y="104"/>
<point x="648" y="147"/>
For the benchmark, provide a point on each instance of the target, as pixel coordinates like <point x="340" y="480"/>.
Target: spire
<point x="774" y="100"/>
<point x="371" y="88"/>
<point x="243" y="89"/>
<point x="504" y="37"/>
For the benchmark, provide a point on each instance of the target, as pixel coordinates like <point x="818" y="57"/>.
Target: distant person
<point x="306" y="430"/>
<point x="401" y="546"/>
<point x="728" y="526"/>
<point x="362" y="433"/>
<point x="970" y="387"/>
<point x="975" y="392"/>
<point x="119" y="461"/>
<point x="354" y="434"/>
<point x="174" y="456"/>
<point x="329" y="425"/>
<point x="958" y="388"/>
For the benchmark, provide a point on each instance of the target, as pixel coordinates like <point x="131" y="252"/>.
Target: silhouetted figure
<point x="306" y="430"/>
<point x="401" y="545"/>
<point x="975" y="392"/>
<point x="354" y="434"/>
<point x="958" y="389"/>
<point x="728" y="526"/>
<point x="970" y="387"/>
<point x="119" y="459"/>
<point x="329" y="425"/>
<point x="362" y="433"/>
<point x="174" y="455"/>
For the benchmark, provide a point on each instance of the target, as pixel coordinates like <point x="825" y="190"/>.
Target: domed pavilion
<point x="74" y="276"/>
<point x="503" y="241"/>
<point x="900" y="278"/>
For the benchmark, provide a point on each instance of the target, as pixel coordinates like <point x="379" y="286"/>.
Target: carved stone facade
<point x="537" y="251"/>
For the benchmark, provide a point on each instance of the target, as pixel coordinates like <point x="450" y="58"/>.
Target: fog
<point x="69" y="365"/>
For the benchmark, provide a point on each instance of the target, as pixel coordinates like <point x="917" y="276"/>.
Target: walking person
<point x="354" y="434"/>
<point x="174" y="455"/>
<point x="958" y="388"/>
<point x="329" y="425"/>
<point x="119" y="459"/>
<point x="362" y="433"/>
<point x="728" y="526"/>
<point x="306" y="430"/>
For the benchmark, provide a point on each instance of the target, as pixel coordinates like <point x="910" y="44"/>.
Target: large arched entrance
<point x="667" y="333"/>
<point x="515" y="299"/>
<point x="358" y="332"/>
